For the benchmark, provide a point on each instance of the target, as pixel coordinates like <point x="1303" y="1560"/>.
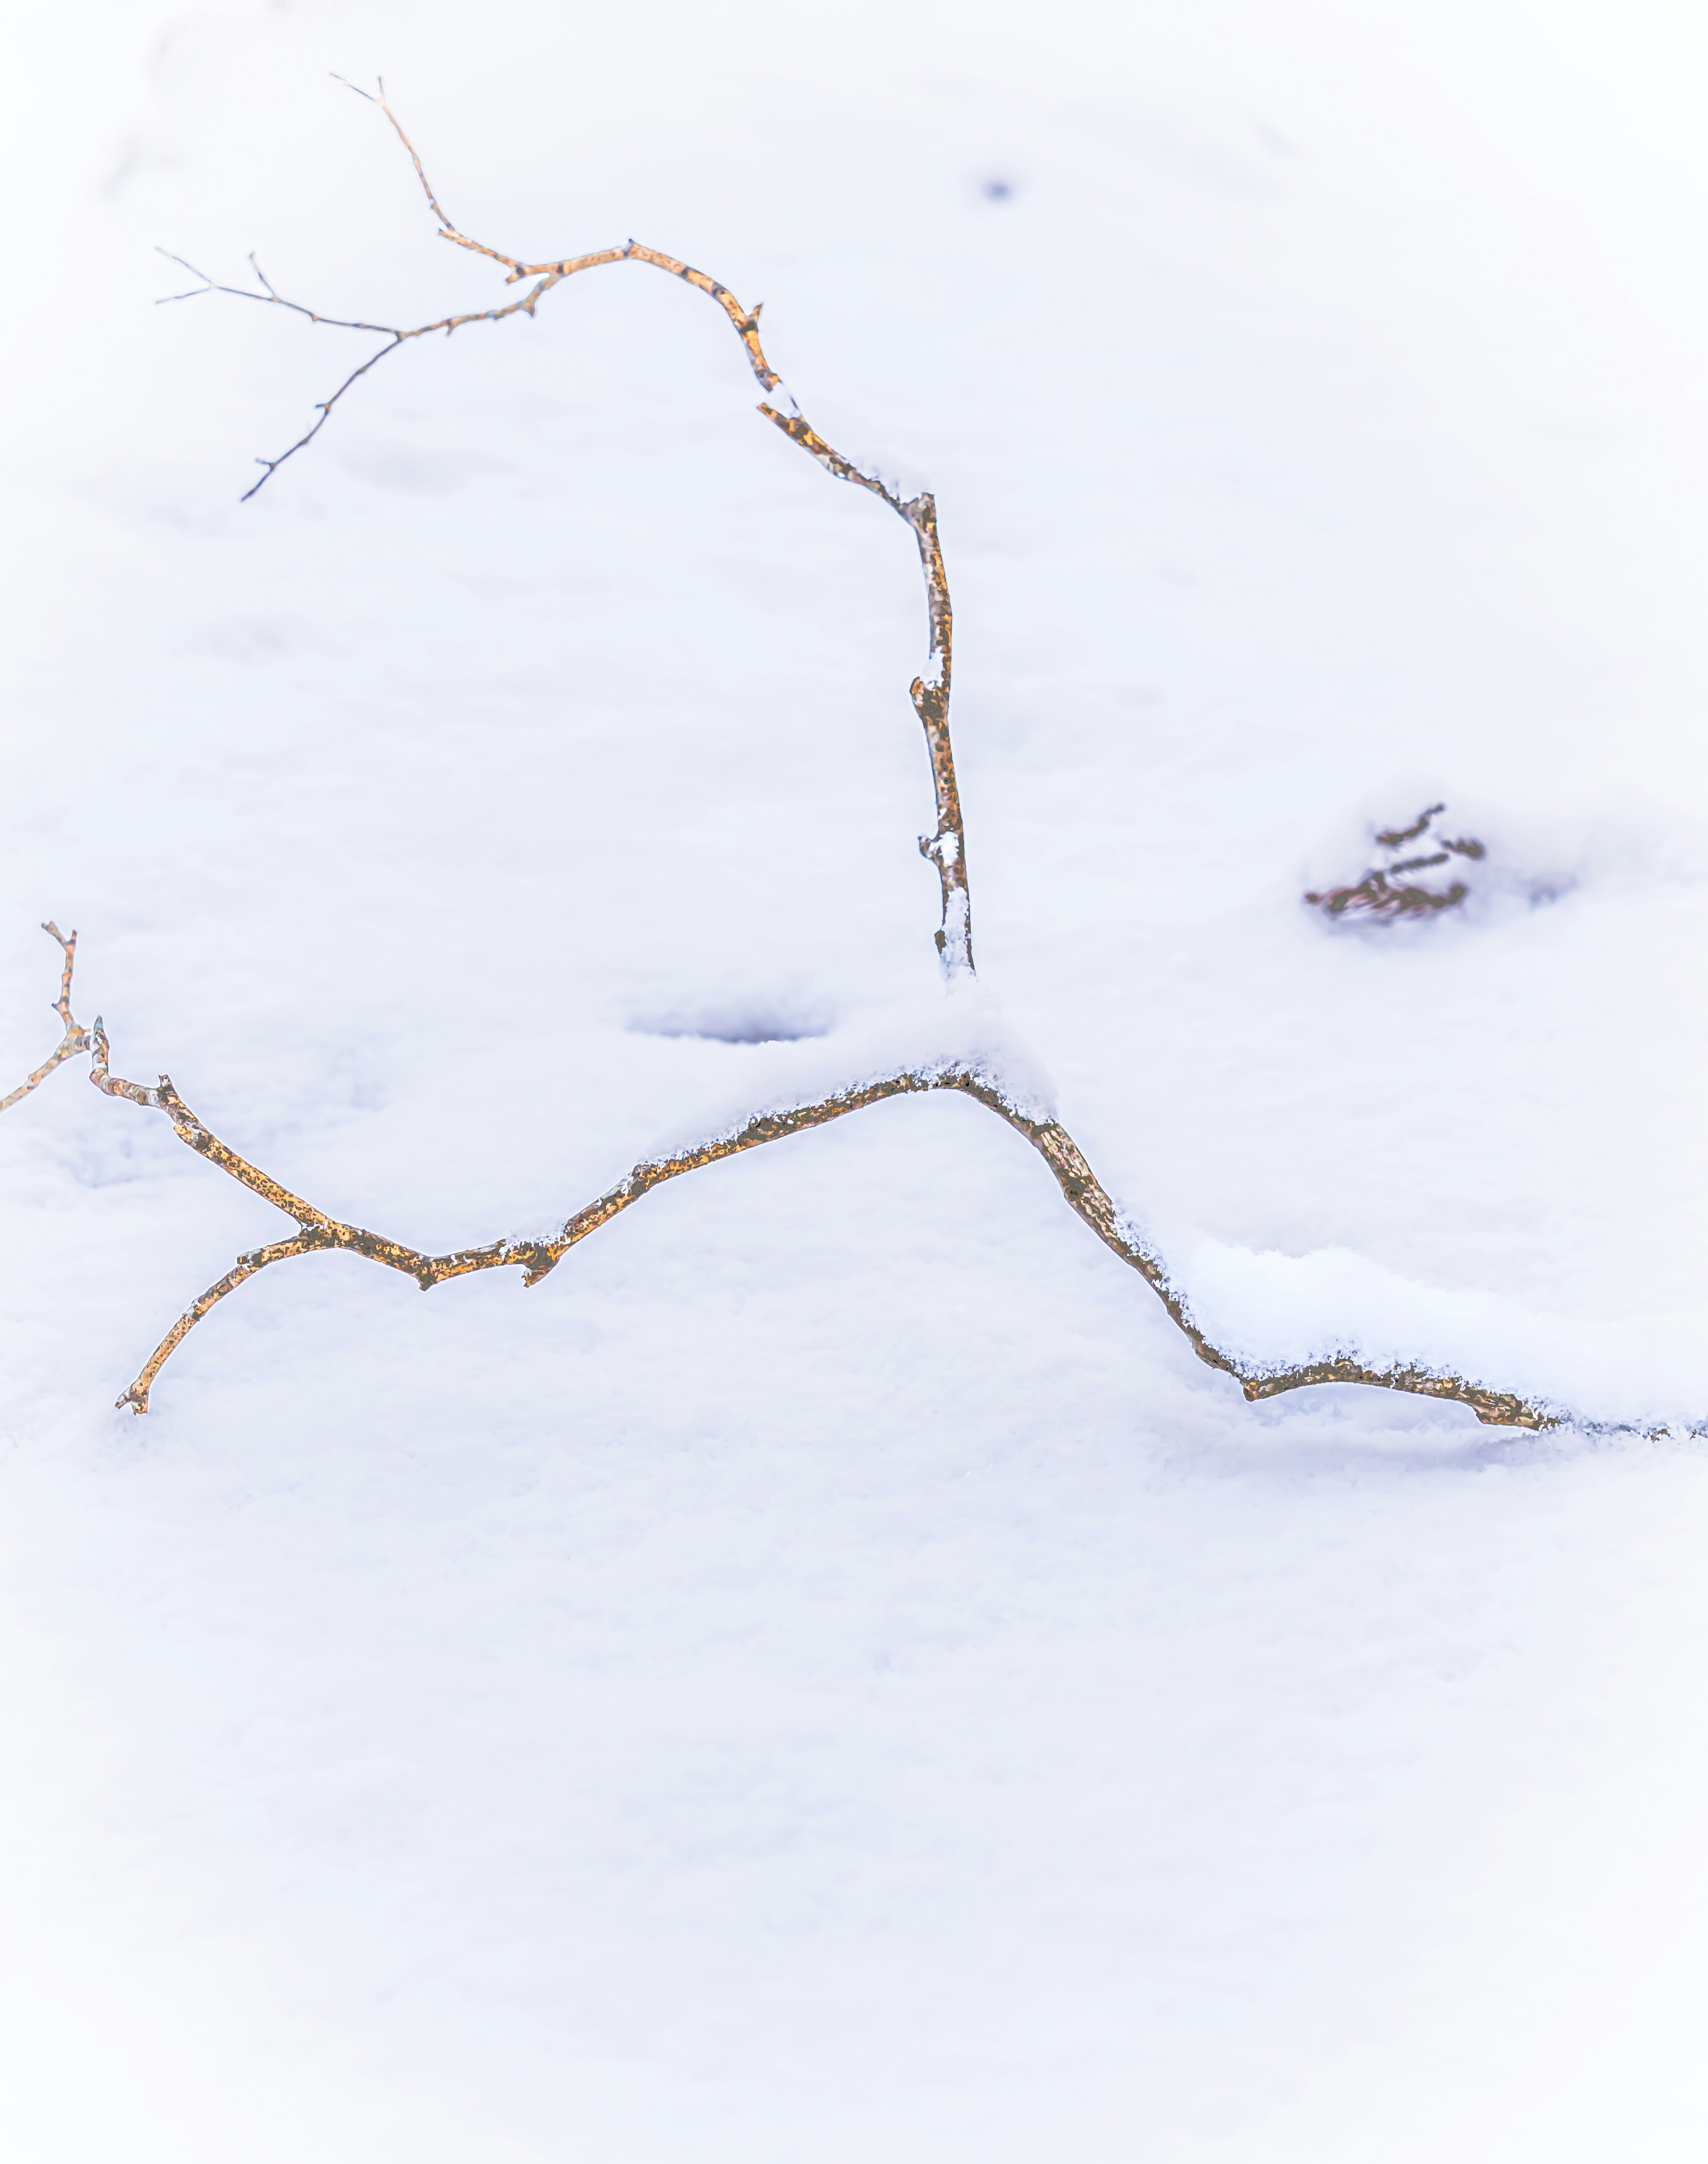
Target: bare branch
<point x="136" y="1396"/>
<point x="75" y="1039"/>
<point x="1084" y="1193"/>
<point x="316" y="1231"/>
<point x="420" y="170"/>
<point x="946" y="848"/>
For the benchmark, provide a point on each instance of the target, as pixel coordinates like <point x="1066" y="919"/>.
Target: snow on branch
<point x="947" y="848"/>
<point x="316" y="1229"/>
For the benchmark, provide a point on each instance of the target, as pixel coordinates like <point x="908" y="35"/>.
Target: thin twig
<point x="946" y="848"/>
<point x="75" y="1039"/>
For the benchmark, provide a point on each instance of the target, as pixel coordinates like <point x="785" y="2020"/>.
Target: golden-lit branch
<point x="74" y="1040"/>
<point x="1085" y="1194"/>
<point x="929" y="692"/>
<point x="316" y="1231"/>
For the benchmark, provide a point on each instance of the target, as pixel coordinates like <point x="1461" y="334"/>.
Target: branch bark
<point x="1085" y="1194"/>
<point x="74" y="1039"/>
<point x="946" y="848"/>
<point x="316" y="1229"/>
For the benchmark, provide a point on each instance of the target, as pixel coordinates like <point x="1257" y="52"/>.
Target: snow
<point x="827" y="1672"/>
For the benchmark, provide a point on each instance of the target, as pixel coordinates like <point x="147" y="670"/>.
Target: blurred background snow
<point x="828" y="1675"/>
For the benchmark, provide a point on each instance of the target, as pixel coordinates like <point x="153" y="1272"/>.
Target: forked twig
<point x="75" y="1039"/>
<point x="316" y="1229"/>
<point x="1079" y="1185"/>
<point x="930" y="691"/>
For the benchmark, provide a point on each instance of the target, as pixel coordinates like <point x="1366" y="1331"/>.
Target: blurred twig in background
<point x="1382" y="894"/>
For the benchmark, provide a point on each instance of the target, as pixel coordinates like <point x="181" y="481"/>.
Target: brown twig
<point x="1085" y="1194"/>
<point x="75" y="1038"/>
<point x="946" y="848"/>
<point x="1395" y="838"/>
<point x="316" y="1229"/>
<point x="1376" y="895"/>
<point x="1379" y="894"/>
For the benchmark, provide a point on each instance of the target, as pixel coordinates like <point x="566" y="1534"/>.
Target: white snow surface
<point x="828" y="1674"/>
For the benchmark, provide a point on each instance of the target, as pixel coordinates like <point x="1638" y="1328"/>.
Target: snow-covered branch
<point x="316" y="1229"/>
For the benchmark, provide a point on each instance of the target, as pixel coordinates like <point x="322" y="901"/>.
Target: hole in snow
<point x="740" y="1023"/>
<point x="999" y="190"/>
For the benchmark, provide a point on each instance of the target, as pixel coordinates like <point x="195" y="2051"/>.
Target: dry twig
<point x="930" y="691"/>
<point x="1383" y="895"/>
<point x="73" y="1041"/>
<point x="316" y="1231"/>
<point x="1085" y="1194"/>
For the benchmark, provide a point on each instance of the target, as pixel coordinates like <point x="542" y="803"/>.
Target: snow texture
<point x="828" y="1674"/>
